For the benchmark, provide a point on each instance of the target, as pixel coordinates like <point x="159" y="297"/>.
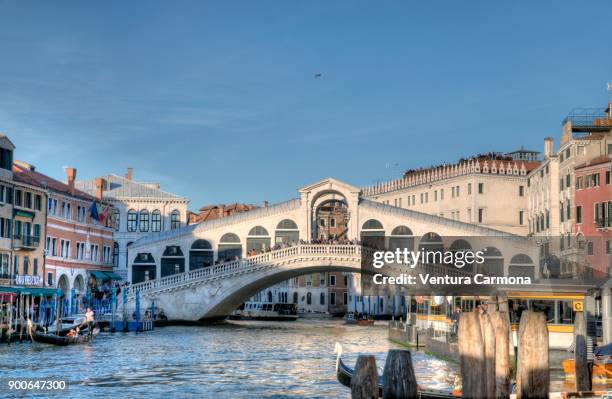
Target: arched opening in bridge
<point x="258" y="240"/>
<point x="461" y="247"/>
<point x="332" y="220"/>
<point x="201" y="255"/>
<point x="230" y="247"/>
<point x="373" y="234"/>
<point x="172" y="261"/>
<point x="286" y="232"/>
<point x="521" y="265"/>
<point x="143" y="268"/>
<point x="493" y="264"/>
<point x="401" y="237"/>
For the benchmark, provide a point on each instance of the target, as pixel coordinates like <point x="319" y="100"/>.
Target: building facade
<point x="139" y="209"/>
<point x="77" y="245"/>
<point x="22" y="224"/>
<point x="593" y="213"/>
<point x="487" y="189"/>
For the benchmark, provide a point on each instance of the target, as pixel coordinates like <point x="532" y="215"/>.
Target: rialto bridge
<point x="205" y="271"/>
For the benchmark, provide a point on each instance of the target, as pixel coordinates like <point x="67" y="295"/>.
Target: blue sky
<point x="217" y="101"/>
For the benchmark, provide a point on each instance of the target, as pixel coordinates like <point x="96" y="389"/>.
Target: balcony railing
<point x="589" y="119"/>
<point x="26" y="242"/>
<point x="603" y="223"/>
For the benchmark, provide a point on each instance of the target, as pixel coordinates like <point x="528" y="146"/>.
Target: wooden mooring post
<point x="471" y="356"/>
<point x="583" y="374"/>
<point x="364" y="384"/>
<point x="501" y="326"/>
<point x="532" y="375"/>
<point x="398" y="376"/>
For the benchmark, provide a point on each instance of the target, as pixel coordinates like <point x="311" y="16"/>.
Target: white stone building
<point x="488" y="189"/>
<point x="139" y="209"/>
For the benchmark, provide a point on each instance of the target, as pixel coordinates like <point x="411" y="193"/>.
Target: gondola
<point x="63" y="340"/>
<point x="344" y="374"/>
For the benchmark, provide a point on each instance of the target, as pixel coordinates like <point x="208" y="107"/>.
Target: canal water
<point x="235" y="360"/>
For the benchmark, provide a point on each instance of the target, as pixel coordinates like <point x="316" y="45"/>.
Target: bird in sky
<point x="317" y="75"/>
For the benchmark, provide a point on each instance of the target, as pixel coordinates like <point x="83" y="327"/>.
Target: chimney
<point x="99" y="188"/>
<point x="221" y="210"/>
<point x="129" y="173"/>
<point x="266" y="204"/>
<point x="548" y="147"/>
<point x="70" y="178"/>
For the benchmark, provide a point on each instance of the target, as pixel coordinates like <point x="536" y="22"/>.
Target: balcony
<point x="603" y="224"/>
<point x="27" y="243"/>
<point x="588" y="120"/>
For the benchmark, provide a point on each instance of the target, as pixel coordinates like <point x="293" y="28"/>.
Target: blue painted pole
<point x="369" y="304"/>
<point x="153" y="310"/>
<point x="138" y="308"/>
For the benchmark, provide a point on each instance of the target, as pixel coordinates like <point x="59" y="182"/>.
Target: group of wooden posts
<point x="487" y="356"/>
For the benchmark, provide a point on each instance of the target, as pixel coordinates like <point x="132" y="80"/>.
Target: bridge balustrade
<point x="245" y="263"/>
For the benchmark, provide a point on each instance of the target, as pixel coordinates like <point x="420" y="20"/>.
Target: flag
<point x="93" y="211"/>
<point x="104" y="215"/>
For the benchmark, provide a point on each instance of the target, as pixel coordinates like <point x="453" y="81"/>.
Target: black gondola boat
<point x="344" y="374"/>
<point x="63" y="340"/>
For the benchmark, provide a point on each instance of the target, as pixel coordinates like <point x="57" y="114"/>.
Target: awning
<point x="25" y="214"/>
<point x="100" y="276"/>
<point x="30" y="291"/>
<point x="113" y="275"/>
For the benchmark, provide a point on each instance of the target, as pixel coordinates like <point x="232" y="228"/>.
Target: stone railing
<point x="241" y="265"/>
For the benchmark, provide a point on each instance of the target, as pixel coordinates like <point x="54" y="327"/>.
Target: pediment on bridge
<point x="329" y="184"/>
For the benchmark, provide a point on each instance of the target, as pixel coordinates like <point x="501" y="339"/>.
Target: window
<point x="144" y="220"/>
<point x="322" y="298"/>
<point x="175" y="220"/>
<point x="345" y="298"/>
<point x="435" y="195"/>
<point x="609" y="247"/>
<point x="49" y="279"/>
<point x="28" y="200"/>
<point x="6" y="159"/>
<point x="38" y="202"/>
<point x="480" y="188"/>
<point x="521" y="217"/>
<point x="607" y="177"/>
<point x="590" y="249"/>
<point x="309" y="298"/>
<point x="132" y="220"/>
<point x="568" y="181"/>
<point x="332" y="280"/>
<point x="18" y="196"/>
<point x="579" y="214"/>
<point x="332" y="222"/>
<point x="568" y="210"/>
<point x="117" y="219"/>
<point x="469" y="188"/>
<point x="480" y="215"/>
<point x="521" y="191"/>
<point x="25" y="265"/>
<point x="35" y="264"/>
<point x="332" y="298"/>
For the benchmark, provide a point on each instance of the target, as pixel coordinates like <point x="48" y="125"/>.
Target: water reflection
<point x="237" y="359"/>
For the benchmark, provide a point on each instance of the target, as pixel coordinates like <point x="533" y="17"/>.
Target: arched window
<point x="286" y="232"/>
<point x="493" y="264"/>
<point x="462" y="246"/>
<point x="132" y="220"/>
<point x="372" y="224"/>
<point x="144" y="220"/>
<point x="173" y="261"/>
<point x="373" y="234"/>
<point x="143" y="268"/>
<point x="201" y="255"/>
<point x="229" y="247"/>
<point x="156" y="221"/>
<point x="115" y="255"/>
<point x="521" y="265"/>
<point x="258" y="239"/>
<point x="175" y="220"/>
<point x="116" y="219"/>
<point x="401" y="237"/>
